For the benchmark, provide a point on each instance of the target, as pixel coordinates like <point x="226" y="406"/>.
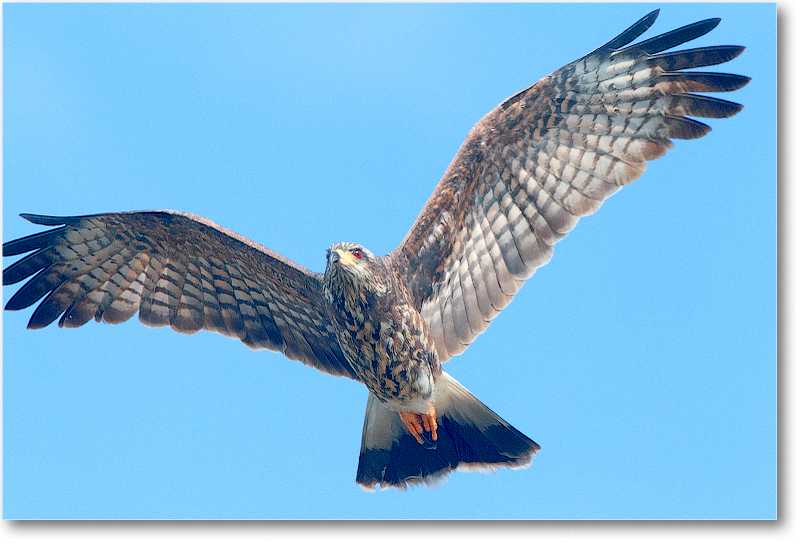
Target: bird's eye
<point x="357" y="253"/>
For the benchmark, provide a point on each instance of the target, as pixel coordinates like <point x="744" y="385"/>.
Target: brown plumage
<point x="525" y="174"/>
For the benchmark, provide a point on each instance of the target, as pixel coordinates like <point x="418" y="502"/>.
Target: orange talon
<point x="417" y="423"/>
<point x="412" y="422"/>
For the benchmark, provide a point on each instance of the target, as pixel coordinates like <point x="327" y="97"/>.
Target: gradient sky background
<point x="642" y="358"/>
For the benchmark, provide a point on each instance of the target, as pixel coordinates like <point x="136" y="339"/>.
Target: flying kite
<point x="525" y="174"/>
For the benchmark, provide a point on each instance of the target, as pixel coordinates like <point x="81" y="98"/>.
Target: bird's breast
<point x="391" y="351"/>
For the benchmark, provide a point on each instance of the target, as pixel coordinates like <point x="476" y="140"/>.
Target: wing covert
<point x="175" y="269"/>
<point x="545" y="157"/>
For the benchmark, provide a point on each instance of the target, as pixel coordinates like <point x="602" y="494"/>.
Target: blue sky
<point x="642" y="358"/>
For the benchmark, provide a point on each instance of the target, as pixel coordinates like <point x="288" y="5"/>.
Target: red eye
<point x="357" y="253"/>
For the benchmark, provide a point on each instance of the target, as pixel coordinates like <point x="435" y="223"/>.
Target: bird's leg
<point x="418" y="423"/>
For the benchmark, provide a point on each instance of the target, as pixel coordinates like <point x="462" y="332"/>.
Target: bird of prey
<point x="525" y="174"/>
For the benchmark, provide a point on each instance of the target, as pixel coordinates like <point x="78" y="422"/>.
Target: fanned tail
<point x="471" y="437"/>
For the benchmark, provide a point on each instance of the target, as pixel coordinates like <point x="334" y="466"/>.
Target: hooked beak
<point x="341" y="256"/>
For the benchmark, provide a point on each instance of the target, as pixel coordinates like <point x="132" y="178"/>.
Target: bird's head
<point x="352" y="266"/>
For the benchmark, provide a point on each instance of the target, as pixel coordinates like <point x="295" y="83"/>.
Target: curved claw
<point x="422" y="426"/>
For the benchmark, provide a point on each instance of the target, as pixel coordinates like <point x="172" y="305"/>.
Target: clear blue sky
<point x="642" y="358"/>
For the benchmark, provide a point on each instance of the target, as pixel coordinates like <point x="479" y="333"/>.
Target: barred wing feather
<point x="175" y="269"/>
<point x="545" y="157"/>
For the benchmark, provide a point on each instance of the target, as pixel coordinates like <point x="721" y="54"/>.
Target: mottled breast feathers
<point x="379" y="331"/>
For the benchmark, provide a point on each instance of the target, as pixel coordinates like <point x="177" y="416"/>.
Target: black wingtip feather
<point x="683" y="128"/>
<point x="698" y="105"/>
<point x="675" y="37"/>
<point x="47" y="220"/>
<point x="629" y="34"/>
<point x="632" y="32"/>
<point x="30" y="243"/>
<point x="24" y="268"/>
<point x="698" y="57"/>
<point x="705" y="81"/>
<point x="47" y="312"/>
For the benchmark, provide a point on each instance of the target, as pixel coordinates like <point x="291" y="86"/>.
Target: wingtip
<point x="735" y="51"/>
<point x="628" y="35"/>
<point x="736" y="81"/>
<point x="705" y="26"/>
<point x="46" y="220"/>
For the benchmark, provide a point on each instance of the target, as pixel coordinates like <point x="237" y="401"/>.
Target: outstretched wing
<point x="542" y="159"/>
<point x="175" y="269"/>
